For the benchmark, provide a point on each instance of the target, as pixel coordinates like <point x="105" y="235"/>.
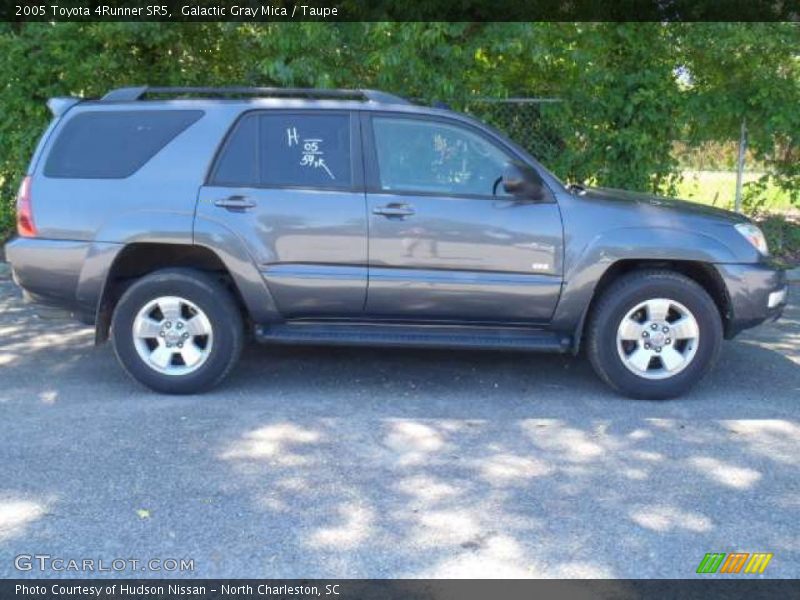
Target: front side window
<point x="114" y="144"/>
<point x="287" y="150"/>
<point x="434" y="157"/>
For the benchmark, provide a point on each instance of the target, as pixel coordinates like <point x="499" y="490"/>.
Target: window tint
<point x="114" y="144"/>
<point x="238" y="162"/>
<point x="287" y="150"/>
<point x="306" y="150"/>
<point x="429" y="156"/>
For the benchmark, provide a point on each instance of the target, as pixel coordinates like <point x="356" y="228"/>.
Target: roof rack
<point x="130" y="94"/>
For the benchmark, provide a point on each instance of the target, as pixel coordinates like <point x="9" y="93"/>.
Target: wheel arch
<point x="138" y="259"/>
<point x="702" y="273"/>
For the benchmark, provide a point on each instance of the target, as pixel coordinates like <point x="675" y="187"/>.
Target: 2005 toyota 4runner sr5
<point x="178" y="220"/>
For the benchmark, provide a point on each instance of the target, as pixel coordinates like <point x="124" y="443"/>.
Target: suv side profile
<point x="179" y="220"/>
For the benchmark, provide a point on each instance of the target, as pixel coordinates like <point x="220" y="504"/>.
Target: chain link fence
<point x="534" y="123"/>
<point x="724" y="174"/>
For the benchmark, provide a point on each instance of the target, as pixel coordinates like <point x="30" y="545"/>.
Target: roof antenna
<point x="442" y="105"/>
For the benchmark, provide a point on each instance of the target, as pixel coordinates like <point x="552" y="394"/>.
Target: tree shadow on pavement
<point x="397" y="463"/>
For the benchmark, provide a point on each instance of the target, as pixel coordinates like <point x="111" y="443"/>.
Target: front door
<point x="446" y="243"/>
<point x="290" y="184"/>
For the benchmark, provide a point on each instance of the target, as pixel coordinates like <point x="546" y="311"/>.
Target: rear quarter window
<point x="238" y="162"/>
<point x="114" y="144"/>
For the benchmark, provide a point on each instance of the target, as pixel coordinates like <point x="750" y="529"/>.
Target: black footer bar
<point x="405" y="589"/>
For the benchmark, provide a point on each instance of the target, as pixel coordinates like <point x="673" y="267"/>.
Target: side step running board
<point x="421" y="336"/>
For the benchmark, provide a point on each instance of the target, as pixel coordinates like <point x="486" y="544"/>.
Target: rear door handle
<point x="235" y="202"/>
<point x="394" y="210"/>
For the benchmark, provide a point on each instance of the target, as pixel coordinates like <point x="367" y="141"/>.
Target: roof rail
<point x="130" y="94"/>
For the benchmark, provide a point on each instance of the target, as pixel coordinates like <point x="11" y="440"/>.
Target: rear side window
<point x="238" y="162"/>
<point x="114" y="144"/>
<point x="287" y="150"/>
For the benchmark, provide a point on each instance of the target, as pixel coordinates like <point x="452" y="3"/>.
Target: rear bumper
<point x="52" y="272"/>
<point x="757" y="293"/>
<point x="47" y="270"/>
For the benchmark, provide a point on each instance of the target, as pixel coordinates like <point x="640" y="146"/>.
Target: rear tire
<point x="654" y="334"/>
<point x="177" y="331"/>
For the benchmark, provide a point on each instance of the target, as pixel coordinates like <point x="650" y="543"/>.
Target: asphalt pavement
<point x="320" y="462"/>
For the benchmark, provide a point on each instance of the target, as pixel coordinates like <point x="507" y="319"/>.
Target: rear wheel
<point x="177" y="331"/>
<point x="654" y="334"/>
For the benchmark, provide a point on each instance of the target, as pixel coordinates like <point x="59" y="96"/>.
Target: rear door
<point x="446" y="242"/>
<point x="290" y="184"/>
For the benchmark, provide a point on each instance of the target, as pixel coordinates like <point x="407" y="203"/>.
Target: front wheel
<point x="177" y="331"/>
<point x="654" y="334"/>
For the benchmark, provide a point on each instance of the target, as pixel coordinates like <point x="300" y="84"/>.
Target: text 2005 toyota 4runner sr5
<point x="180" y="219"/>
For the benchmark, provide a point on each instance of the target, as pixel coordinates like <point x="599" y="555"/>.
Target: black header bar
<point x="266" y="11"/>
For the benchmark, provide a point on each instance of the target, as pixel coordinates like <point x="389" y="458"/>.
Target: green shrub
<point x="628" y="89"/>
<point x="783" y="236"/>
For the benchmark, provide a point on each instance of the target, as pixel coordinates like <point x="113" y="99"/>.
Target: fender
<point x="233" y="252"/>
<point x="112" y="237"/>
<point x="176" y="229"/>
<point x="97" y="264"/>
<point x="627" y="243"/>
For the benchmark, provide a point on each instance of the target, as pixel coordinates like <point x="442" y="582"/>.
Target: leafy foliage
<point x="628" y="89"/>
<point x="783" y="237"/>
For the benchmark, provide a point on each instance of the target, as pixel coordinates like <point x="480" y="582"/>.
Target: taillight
<point x="25" y="225"/>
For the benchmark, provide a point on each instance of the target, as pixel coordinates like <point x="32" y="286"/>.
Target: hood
<point x="668" y="205"/>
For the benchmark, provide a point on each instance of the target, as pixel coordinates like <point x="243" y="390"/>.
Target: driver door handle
<point x="395" y="209"/>
<point x="235" y="202"/>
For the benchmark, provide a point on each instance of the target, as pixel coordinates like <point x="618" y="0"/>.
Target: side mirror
<point x="523" y="181"/>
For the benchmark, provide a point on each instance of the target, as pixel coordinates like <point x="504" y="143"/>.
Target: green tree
<point x="628" y="90"/>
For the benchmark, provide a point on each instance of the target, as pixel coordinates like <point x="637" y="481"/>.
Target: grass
<point x="778" y="218"/>
<point x="718" y="188"/>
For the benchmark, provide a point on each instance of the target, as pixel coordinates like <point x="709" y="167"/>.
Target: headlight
<point x="753" y="235"/>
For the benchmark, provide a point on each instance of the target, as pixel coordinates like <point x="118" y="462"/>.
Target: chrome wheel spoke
<point x="684" y="328"/>
<point x="161" y="356"/>
<point x="630" y="330"/>
<point x="657" y="309"/>
<point x="190" y="353"/>
<point x="198" y="325"/>
<point x="640" y="358"/>
<point x="146" y="328"/>
<point x="170" y="307"/>
<point x="671" y="358"/>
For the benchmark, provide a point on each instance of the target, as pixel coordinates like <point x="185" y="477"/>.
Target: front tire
<point x="654" y="334"/>
<point x="177" y="331"/>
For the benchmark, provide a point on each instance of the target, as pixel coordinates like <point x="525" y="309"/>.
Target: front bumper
<point x="756" y="293"/>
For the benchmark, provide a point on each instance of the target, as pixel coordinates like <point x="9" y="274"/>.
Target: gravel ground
<point x="316" y="462"/>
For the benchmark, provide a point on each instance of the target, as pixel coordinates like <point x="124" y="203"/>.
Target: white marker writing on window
<point x="291" y="136"/>
<point x="312" y="155"/>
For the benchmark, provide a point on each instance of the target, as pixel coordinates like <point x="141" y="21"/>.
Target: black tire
<point x="209" y="295"/>
<point x="623" y="296"/>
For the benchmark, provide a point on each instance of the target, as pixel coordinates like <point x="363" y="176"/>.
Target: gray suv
<point x="180" y="220"/>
